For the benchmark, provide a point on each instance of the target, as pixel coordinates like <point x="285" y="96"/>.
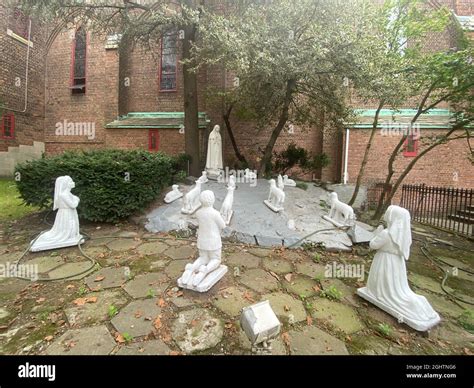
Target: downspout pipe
<point x="26" y="75"/>
<point x="346" y="157"/>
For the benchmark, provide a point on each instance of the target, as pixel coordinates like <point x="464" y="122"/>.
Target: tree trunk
<point x="267" y="154"/>
<point x="381" y="206"/>
<point x="366" y="154"/>
<point x="410" y="166"/>
<point x="191" y="117"/>
<point x="228" y="126"/>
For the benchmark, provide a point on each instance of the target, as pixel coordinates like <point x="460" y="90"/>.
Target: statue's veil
<point x="398" y="222"/>
<point x="61" y="185"/>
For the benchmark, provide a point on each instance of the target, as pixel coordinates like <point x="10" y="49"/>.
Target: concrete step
<point x="460" y="218"/>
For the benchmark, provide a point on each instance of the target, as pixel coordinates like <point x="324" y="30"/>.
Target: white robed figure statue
<point x="214" y="163"/>
<point x="65" y="231"/>
<point x="387" y="285"/>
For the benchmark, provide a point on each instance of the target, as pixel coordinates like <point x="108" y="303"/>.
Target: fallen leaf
<point x="48" y="338"/>
<point x="119" y="338"/>
<point x="468" y="352"/>
<point x="174" y="353"/>
<point x="275" y="275"/>
<point x="309" y="320"/>
<point x="70" y="286"/>
<point x="158" y="325"/>
<point x="180" y="293"/>
<point x="80" y="301"/>
<point x="40" y="300"/>
<point x="288" y="277"/>
<point x="91" y="299"/>
<point x="161" y="302"/>
<point x="138" y="314"/>
<point x="99" y="278"/>
<point x="71" y="344"/>
<point x="248" y="296"/>
<point x="286" y="338"/>
<point x="316" y="288"/>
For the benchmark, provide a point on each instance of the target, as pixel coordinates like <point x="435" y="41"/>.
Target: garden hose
<point x="436" y="260"/>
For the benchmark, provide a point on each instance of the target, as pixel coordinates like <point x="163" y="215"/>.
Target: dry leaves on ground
<point x="158" y="324"/>
<point x="83" y="301"/>
<point x="161" y="302"/>
<point x="119" y="338"/>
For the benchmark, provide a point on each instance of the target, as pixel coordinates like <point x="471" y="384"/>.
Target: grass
<point x="11" y="206"/>
<point x="331" y="293"/>
<point x="385" y="329"/>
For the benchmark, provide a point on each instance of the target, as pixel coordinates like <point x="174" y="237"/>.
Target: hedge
<point x="111" y="184"/>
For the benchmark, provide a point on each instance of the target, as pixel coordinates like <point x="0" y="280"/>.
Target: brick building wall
<point x="98" y="106"/>
<point x="28" y="114"/>
<point x="447" y="165"/>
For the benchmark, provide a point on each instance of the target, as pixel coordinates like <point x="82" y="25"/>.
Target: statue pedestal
<point x="172" y="196"/>
<point x="45" y="246"/>
<point x="213" y="174"/>
<point x="414" y="324"/>
<point x="186" y="211"/>
<point x="210" y="280"/>
<point x="276" y="209"/>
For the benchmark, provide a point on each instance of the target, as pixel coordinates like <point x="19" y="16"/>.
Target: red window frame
<point x="73" y="63"/>
<point x="8" y="118"/>
<point x="153" y="134"/>
<point x="160" y="74"/>
<point x="406" y="151"/>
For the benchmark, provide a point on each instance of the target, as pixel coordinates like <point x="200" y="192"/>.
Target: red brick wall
<point x="439" y="167"/>
<point x="99" y="105"/>
<point x="28" y="125"/>
<point x="171" y="141"/>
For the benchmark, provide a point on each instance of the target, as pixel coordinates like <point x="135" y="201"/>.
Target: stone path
<point x="130" y="304"/>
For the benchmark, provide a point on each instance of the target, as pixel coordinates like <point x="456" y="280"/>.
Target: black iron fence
<point x="448" y="208"/>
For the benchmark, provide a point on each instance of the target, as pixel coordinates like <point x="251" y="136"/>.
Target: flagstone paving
<point x="148" y="348"/>
<point x="149" y="284"/>
<point x="131" y="305"/>
<point x="109" y="277"/>
<point x="197" y="329"/>
<point x="95" y="341"/>
<point x="137" y="318"/>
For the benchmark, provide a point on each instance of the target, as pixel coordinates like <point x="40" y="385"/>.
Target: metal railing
<point x="443" y="207"/>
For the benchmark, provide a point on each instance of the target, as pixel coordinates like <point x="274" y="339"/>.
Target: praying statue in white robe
<point x="387" y="284"/>
<point x="65" y="231"/>
<point x="214" y="163"/>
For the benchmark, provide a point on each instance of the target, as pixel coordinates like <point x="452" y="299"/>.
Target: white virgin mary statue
<point x="387" y="285"/>
<point x="214" y="164"/>
<point x="65" y="231"/>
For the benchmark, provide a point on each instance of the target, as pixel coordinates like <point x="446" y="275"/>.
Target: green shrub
<point x="111" y="184"/>
<point x="295" y="156"/>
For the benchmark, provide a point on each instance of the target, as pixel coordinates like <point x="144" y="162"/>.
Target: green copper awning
<point x="433" y="119"/>
<point x="155" y="120"/>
